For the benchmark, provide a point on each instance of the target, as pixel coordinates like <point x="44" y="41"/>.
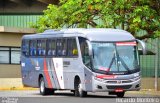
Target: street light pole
<point x="158" y="62"/>
<point x="156" y="65"/>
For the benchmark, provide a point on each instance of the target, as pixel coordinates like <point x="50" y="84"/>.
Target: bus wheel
<point x="51" y="91"/>
<point x="120" y="94"/>
<point x="43" y="90"/>
<point x="78" y="90"/>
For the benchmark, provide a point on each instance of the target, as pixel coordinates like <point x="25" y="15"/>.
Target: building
<point x="10" y="41"/>
<point x="15" y="16"/>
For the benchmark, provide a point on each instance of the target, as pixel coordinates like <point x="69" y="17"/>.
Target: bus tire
<point x="82" y="93"/>
<point x="78" y="89"/>
<point x="51" y="91"/>
<point x="120" y="94"/>
<point x="43" y="90"/>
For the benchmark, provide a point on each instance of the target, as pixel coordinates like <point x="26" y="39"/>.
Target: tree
<point x="131" y="15"/>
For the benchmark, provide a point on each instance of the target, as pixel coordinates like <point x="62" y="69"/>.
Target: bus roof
<point x="92" y="34"/>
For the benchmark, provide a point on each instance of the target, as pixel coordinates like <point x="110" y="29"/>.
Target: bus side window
<point x="85" y="52"/>
<point x="72" y="47"/>
<point x="61" y="47"/>
<point x="64" y="47"/>
<point x="41" y="47"/>
<point x="25" y="47"/>
<point x="51" y="47"/>
<point x="33" y="45"/>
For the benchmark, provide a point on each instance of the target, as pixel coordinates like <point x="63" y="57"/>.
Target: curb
<point x="18" y="88"/>
<point x="13" y="84"/>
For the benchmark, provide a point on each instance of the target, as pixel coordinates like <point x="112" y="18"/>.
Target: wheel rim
<point x="80" y="88"/>
<point x="42" y="86"/>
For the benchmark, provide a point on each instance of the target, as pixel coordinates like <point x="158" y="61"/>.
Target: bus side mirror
<point x="143" y="46"/>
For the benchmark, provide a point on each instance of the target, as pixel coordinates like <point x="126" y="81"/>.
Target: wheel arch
<point x="40" y="76"/>
<point x="76" y="79"/>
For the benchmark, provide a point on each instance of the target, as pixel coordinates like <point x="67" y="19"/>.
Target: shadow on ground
<point x="72" y="95"/>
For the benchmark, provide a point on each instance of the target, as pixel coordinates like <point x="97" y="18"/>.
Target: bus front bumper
<point x="116" y="85"/>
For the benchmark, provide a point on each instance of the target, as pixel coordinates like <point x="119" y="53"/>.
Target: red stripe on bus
<point x="106" y="76"/>
<point x="47" y="74"/>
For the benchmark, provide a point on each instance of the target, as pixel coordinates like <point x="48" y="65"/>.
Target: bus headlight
<point x="137" y="78"/>
<point x="98" y="79"/>
<point x="136" y="75"/>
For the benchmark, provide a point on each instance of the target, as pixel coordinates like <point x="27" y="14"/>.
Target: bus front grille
<point x="115" y="87"/>
<point x="115" y="81"/>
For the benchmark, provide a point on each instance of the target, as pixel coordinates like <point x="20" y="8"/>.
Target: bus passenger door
<point x="70" y="67"/>
<point x="71" y="63"/>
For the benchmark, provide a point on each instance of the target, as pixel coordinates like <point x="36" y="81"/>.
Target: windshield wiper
<point x="122" y="61"/>
<point x="111" y="63"/>
<point x="116" y="54"/>
<point x="124" y="64"/>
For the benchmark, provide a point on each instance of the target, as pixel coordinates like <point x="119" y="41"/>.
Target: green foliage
<point x="130" y="15"/>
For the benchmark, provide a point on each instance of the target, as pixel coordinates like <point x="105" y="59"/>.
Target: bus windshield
<point x="119" y="57"/>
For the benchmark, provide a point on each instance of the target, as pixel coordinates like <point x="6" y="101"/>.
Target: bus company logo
<point x="37" y="67"/>
<point x="119" y="81"/>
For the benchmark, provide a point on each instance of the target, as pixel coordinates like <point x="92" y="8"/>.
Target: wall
<point x="148" y="83"/>
<point x="10" y="70"/>
<point x="10" y="39"/>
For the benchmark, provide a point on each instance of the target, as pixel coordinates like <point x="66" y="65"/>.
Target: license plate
<point x="119" y="90"/>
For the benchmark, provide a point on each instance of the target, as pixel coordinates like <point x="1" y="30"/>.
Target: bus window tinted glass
<point x="33" y="44"/>
<point x="72" y="47"/>
<point x="41" y="47"/>
<point x="51" y="47"/>
<point x="61" y="47"/>
<point x="25" y="47"/>
<point x="85" y="52"/>
<point x="64" y="47"/>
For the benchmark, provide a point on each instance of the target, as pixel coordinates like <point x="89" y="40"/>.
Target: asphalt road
<point x="33" y="96"/>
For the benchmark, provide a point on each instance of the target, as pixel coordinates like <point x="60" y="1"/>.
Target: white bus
<point x="81" y="60"/>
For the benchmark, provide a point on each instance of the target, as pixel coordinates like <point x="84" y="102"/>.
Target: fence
<point x="148" y="61"/>
<point x="150" y="65"/>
